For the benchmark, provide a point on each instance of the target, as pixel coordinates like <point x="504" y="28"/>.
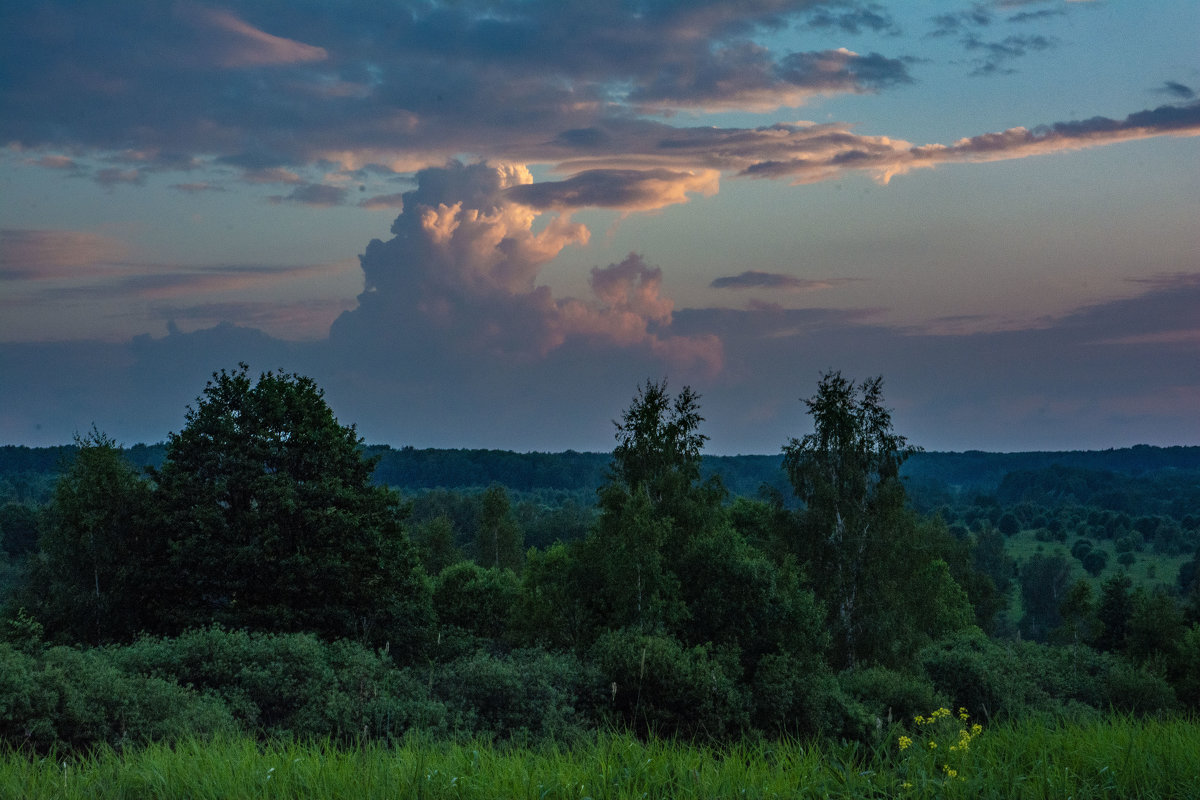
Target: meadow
<point x="1108" y="757"/>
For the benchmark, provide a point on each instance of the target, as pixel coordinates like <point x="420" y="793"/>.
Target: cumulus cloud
<point x="464" y="265"/>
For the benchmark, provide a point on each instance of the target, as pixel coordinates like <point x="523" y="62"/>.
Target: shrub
<point x="292" y="683"/>
<point x="804" y="699"/>
<point x="72" y="700"/>
<point x="889" y="694"/>
<point x="527" y="694"/>
<point x="658" y="685"/>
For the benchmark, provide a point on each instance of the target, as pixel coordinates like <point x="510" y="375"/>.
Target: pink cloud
<point x="47" y="254"/>
<point x="248" y="46"/>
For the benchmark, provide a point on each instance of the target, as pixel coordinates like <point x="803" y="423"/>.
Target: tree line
<point x="262" y="536"/>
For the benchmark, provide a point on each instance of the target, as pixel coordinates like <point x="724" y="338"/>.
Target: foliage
<point x="879" y="572"/>
<point x="65" y="699"/>
<point x="660" y="686"/>
<point x="291" y="683"/>
<point x="997" y="680"/>
<point x="528" y="694"/>
<point x="499" y="542"/>
<point x="476" y="600"/>
<point x="87" y="582"/>
<point x="274" y="524"/>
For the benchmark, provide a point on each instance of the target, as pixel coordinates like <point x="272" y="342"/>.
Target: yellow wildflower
<point x="905" y="742"/>
<point x="933" y="745"/>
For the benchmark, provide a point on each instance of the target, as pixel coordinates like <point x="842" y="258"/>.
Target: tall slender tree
<point x="865" y="552"/>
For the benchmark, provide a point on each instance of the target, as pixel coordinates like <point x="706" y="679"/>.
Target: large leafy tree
<point x="876" y="569"/>
<point x="275" y="524"/>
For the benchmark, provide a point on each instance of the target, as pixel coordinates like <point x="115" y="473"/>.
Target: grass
<point x="1118" y="757"/>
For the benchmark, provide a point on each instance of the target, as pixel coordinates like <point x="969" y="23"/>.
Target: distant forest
<point x="1113" y="478"/>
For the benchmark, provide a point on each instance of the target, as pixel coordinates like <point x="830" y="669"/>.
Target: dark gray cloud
<point x="868" y="17"/>
<point x="399" y="85"/>
<point x="756" y="279"/>
<point x="313" y="194"/>
<point x="955" y="23"/>
<point x="1179" y="90"/>
<point x="1111" y="374"/>
<point x="998" y="54"/>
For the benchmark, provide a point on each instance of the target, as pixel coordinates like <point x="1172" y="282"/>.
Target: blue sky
<point x="484" y="223"/>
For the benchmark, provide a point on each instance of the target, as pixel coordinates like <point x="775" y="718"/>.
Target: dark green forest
<point x="265" y="571"/>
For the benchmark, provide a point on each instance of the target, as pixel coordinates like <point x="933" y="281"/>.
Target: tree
<point x="1045" y="581"/>
<point x="856" y="536"/>
<point x="18" y="529"/>
<point x="275" y="525"/>
<point x="87" y="581"/>
<point x="1113" y="613"/>
<point x="499" y="540"/>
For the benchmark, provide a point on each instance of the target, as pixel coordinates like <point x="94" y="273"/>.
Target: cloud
<point x="286" y="96"/>
<point x="747" y="77"/>
<point x="114" y="176"/>
<point x="383" y="201"/>
<point x="47" y="254"/>
<point x="1114" y="373"/>
<point x="1176" y="89"/>
<point x="823" y="156"/>
<point x="872" y="17"/>
<point x="755" y="279"/>
<point x="246" y="46"/>
<point x="459" y="279"/>
<point x="199" y="187"/>
<point x="628" y="190"/>
<point x="998" y="54"/>
<point x="313" y="194"/>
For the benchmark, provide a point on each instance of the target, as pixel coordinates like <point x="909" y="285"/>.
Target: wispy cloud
<point x="755" y="279"/>
<point x="50" y="254"/>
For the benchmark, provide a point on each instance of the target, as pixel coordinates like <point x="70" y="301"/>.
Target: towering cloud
<point x="460" y="276"/>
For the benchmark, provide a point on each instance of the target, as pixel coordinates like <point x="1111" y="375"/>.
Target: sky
<point x="486" y="223"/>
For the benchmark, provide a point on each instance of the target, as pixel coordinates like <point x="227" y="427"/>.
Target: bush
<point x="292" y="683"/>
<point x="476" y="599"/>
<point x="993" y="680"/>
<point x="659" y="686"/>
<point x="804" y="699"/>
<point x="889" y="694"/>
<point x="74" y="700"/>
<point x="527" y="694"/>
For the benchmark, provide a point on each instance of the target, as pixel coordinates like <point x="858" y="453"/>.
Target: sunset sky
<point x="483" y="223"/>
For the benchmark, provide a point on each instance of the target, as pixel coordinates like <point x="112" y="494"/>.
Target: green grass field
<point x="1117" y="757"/>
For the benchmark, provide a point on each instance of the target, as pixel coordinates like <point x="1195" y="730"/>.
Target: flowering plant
<point x="934" y="754"/>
